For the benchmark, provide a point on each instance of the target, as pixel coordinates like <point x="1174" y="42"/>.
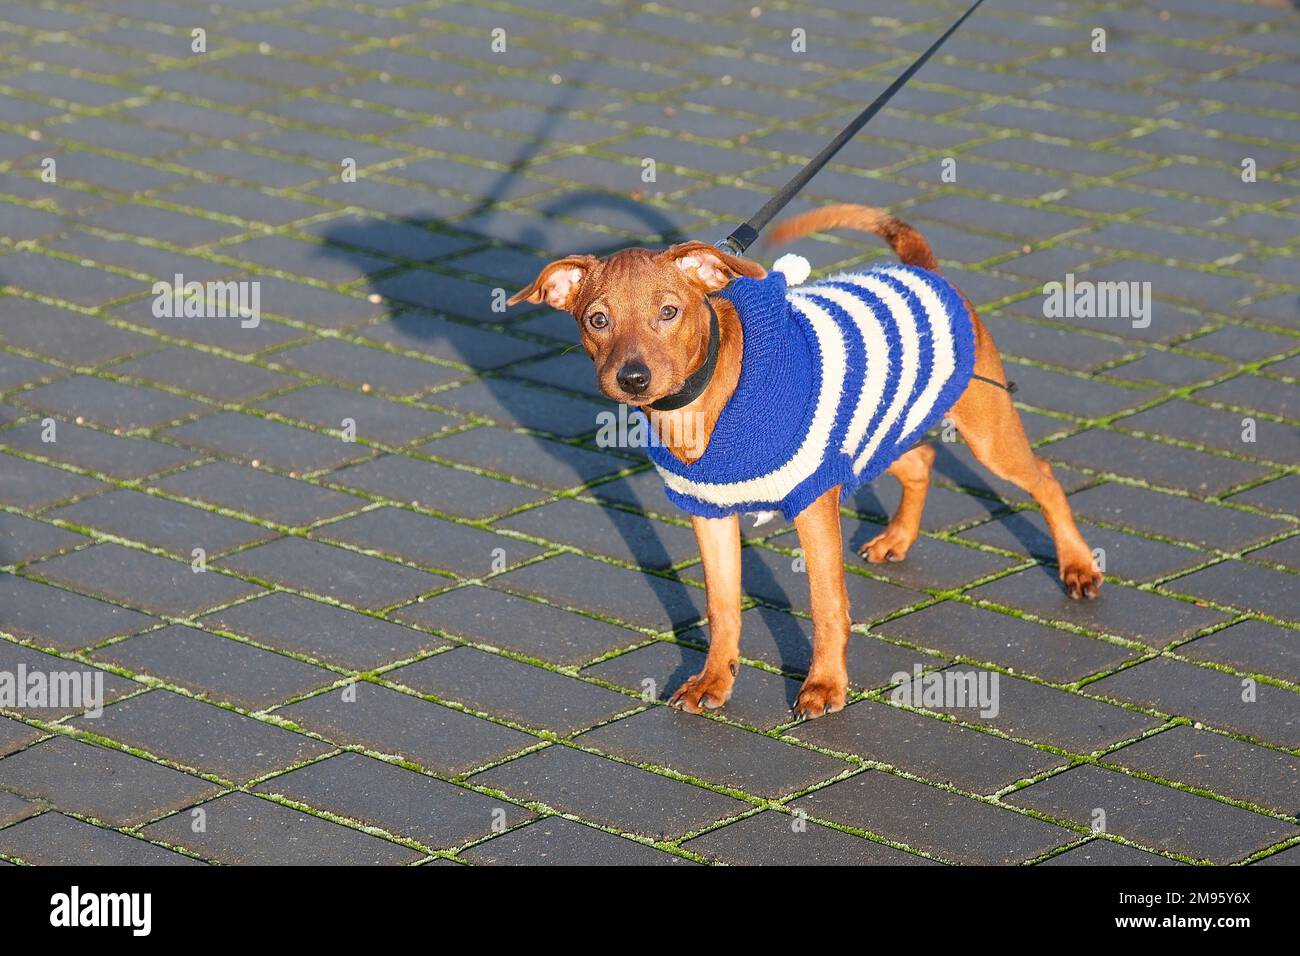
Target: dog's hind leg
<point x="912" y="471"/>
<point x="989" y="423"/>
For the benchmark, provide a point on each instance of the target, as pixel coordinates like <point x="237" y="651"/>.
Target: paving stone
<point x="926" y="746"/>
<point x="610" y="794"/>
<point x="124" y="458"/>
<point x="214" y="377"/>
<point x="1219" y="764"/>
<point x="16" y="370"/>
<point x="218" y="668"/>
<point x="785" y="641"/>
<point x="321" y="631"/>
<point x="1242" y="344"/>
<point x="931" y="563"/>
<point x="1169" y="368"/>
<point x="507" y="689"/>
<point x="1142" y="616"/>
<point x="247" y="438"/>
<point x="72" y="282"/>
<point x="1153" y="815"/>
<point x="945" y="510"/>
<point x="1285" y="553"/>
<point x="1128" y="557"/>
<point x="555" y="841"/>
<point x="429" y="542"/>
<point x="335" y="573"/>
<point x="407" y="804"/>
<point x="161" y="523"/>
<point x="1186" y="690"/>
<point x="1251" y="646"/>
<point x="107" y="785"/>
<point x="327" y="407"/>
<point x="1031" y="711"/>
<point x="487" y="616"/>
<point x="1244" y="585"/>
<point x="771" y="576"/>
<point x="1255" y="392"/>
<point x="177" y="228"/>
<point x="550" y="464"/>
<point x="202" y="736"/>
<point x="388" y="373"/>
<point x="142" y="580"/>
<point x="769" y="839"/>
<point x="945" y="824"/>
<point x="714" y="752"/>
<point x="228" y="333"/>
<point x="286" y="501"/>
<point x="640" y="600"/>
<point x="14" y="808"/>
<point x="110" y="404"/>
<point x="1287" y="857"/>
<point x="1173" y="516"/>
<point x="759" y="699"/>
<point x="52" y="839"/>
<point x="438" y="738"/>
<point x="15" y="735"/>
<point x="244" y="830"/>
<point x="1277" y="495"/>
<point x="1188" y="421"/>
<point x="452" y="491"/>
<point x="958" y="629"/>
<point x="65" y="686"/>
<point x="511" y="405"/>
<point x="1195" y="472"/>
<point x="24" y="539"/>
<point x="1101" y="852"/>
<point x="31" y="486"/>
<point x="307" y="258"/>
<point x="615" y="534"/>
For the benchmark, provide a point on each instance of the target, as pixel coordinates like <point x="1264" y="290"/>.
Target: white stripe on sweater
<point x="877" y="359"/>
<point x="775" y="485"/>
<point x="944" y="362"/>
<point x="909" y="325"/>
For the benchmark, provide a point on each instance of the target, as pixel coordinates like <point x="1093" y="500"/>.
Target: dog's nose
<point x="634" y="378"/>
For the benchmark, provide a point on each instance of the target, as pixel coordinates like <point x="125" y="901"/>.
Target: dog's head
<point x="642" y="313"/>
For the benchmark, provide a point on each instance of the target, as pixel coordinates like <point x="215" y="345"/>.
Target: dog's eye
<point x="668" y="312"/>
<point x="598" y="320"/>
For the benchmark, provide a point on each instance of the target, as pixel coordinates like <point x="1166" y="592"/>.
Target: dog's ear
<point x="558" y="283"/>
<point x="708" y="267"/>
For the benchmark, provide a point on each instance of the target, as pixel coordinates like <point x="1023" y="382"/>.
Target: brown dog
<point x="646" y="325"/>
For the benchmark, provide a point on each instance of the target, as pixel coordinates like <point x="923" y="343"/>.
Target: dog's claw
<point x="890" y="545"/>
<point x="1081" y="583"/>
<point x="819" y="698"/>
<point x="703" y="691"/>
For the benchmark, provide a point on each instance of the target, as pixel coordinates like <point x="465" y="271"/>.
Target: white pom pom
<point x="795" y="268"/>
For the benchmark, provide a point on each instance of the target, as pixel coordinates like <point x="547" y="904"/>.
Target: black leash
<point x="745" y="234"/>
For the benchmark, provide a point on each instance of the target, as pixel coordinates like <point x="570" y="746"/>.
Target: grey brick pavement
<point x="449" y="639"/>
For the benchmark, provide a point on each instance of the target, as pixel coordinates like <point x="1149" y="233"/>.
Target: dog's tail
<point x="907" y="243"/>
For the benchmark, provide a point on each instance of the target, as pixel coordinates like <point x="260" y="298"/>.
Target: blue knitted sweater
<point x="837" y="380"/>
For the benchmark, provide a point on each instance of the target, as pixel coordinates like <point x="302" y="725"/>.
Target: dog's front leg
<point x="719" y="541"/>
<point x="827" y="684"/>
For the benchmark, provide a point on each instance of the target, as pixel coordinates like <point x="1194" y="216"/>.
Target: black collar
<point x="694" y="386"/>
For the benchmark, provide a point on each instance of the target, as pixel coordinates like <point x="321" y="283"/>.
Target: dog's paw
<point x="891" y="544"/>
<point x="1081" y="581"/>
<point x="703" y="691"/>
<point x="819" y="697"/>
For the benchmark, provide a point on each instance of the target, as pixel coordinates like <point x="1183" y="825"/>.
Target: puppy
<point x="801" y="393"/>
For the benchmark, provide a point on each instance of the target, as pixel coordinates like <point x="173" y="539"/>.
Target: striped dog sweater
<point x="837" y="380"/>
